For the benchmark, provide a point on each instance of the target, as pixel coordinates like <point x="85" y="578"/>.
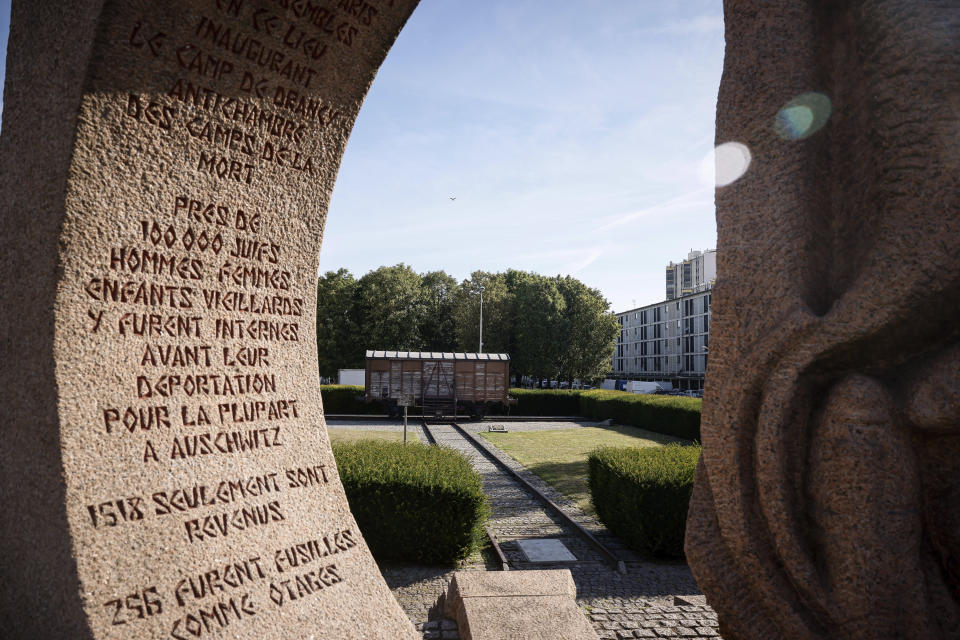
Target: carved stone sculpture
<point x="165" y="467"/>
<point x="827" y="502"/>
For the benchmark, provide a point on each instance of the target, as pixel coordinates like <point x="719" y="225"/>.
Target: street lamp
<point x="480" y="350"/>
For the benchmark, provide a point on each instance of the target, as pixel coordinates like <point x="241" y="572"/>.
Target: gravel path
<point x="638" y="604"/>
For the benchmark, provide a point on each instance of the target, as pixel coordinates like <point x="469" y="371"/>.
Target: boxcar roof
<point x="435" y="355"/>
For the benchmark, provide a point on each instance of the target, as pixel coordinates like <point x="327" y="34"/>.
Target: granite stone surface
<point x="826" y="503"/>
<point x="516" y="605"/>
<point x="166" y="170"/>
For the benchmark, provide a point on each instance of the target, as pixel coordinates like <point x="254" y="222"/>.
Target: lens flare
<point x="803" y="116"/>
<point x="730" y="161"/>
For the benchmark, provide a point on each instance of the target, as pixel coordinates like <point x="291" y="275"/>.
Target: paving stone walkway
<point x="638" y="604"/>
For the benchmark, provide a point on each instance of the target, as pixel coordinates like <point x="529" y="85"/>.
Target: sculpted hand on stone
<point x="827" y="502"/>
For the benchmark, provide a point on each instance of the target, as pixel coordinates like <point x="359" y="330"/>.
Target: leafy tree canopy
<point x="552" y="327"/>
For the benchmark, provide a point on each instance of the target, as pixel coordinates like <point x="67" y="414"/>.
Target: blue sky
<point x="572" y="134"/>
<point x="575" y="136"/>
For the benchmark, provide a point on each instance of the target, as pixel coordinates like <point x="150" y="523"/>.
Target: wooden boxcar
<point x="439" y="383"/>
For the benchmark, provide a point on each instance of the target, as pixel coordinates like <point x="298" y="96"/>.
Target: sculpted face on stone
<point x="827" y="503"/>
<point x="166" y="169"/>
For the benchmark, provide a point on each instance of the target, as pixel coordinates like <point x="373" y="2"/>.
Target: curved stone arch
<point x="167" y="171"/>
<point x="100" y="142"/>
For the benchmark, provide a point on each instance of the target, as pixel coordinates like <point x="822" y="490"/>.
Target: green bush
<point x="414" y="502"/>
<point x="545" y="402"/>
<point x="641" y="494"/>
<point x="347" y="399"/>
<point x="671" y="415"/>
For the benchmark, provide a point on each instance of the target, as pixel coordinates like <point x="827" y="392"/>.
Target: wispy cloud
<point x="696" y="25"/>
<point x="592" y="257"/>
<point x="699" y="197"/>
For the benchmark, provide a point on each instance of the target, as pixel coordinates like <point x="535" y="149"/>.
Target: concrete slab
<point x="697" y="601"/>
<point x="516" y="605"/>
<point x="545" y="550"/>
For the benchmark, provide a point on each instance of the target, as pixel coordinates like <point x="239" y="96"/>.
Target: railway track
<point x="427" y="432"/>
<point x="521" y="512"/>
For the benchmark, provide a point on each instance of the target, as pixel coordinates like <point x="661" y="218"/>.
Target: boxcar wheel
<point x="479" y="411"/>
<point x="393" y="411"/>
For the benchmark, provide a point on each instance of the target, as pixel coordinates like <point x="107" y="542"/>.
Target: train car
<point x="441" y="384"/>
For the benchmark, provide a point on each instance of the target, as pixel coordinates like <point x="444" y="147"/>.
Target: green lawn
<point x="559" y="457"/>
<point x="352" y="435"/>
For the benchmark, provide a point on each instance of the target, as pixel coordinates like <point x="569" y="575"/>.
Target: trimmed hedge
<point x="545" y="402"/>
<point x="346" y="399"/>
<point x="414" y="502"/>
<point x="671" y="415"/>
<point x="642" y="494"/>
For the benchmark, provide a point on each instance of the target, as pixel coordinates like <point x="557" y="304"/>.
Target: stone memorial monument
<point x="166" y="168"/>
<point x="515" y="605"/>
<point x="827" y="501"/>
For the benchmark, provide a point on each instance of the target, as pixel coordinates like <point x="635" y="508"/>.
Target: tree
<point x="438" y="331"/>
<point x="553" y="328"/>
<point x="497" y="313"/>
<point x="539" y="326"/>
<point x="592" y="332"/>
<point x="388" y="309"/>
<point x="336" y="333"/>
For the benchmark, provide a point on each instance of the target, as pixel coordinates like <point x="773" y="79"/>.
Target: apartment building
<point x="665" y="341"/>
<point x="695" y="274"/>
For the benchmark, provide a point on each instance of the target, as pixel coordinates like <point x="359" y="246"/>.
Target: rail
<point x="615" y="561"/>
<point x="504" y="563"/>
<point x="426" y="432"/>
